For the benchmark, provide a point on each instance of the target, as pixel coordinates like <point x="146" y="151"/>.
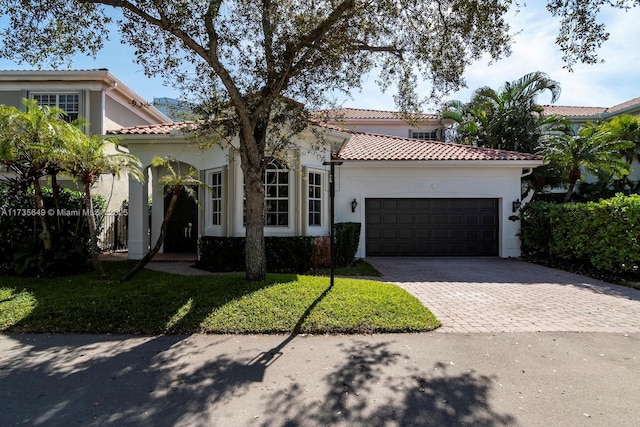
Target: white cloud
<point x="612" y="82"/>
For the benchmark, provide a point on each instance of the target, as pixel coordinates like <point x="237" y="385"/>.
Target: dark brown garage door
<point x="431" y="227"/>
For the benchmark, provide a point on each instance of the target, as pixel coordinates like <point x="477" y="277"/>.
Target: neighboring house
<point x="421" y="126"/>
<point x="412" y="197"/>
<point x="98" y="96"/>
<point x="581" y="115"/>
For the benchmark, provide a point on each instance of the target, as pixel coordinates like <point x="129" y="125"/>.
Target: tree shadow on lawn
<point x="153" y="303"/>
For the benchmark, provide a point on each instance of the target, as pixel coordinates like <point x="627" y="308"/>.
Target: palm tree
<point x="175" y="182"/>
<point x="627" y="128"/>
<point x="85" y="162"/>
<point x="593" y="149"/>
<point x="508" y="118"/>
<point x="31" y="146"/>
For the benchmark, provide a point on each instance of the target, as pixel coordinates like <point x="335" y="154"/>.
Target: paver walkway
<point x="507" y="295"/>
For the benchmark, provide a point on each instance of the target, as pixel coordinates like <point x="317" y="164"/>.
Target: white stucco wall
<point x="395" y="129"/>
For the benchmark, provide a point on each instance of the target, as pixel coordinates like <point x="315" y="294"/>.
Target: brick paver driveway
<point x="507" y="295"/>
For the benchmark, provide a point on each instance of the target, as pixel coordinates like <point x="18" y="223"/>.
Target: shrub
<point x="284" y="254"/>
<point x="347" y="240"/>
<point x="221" y="253"/>
<point x="535" y="229"/>
<point x="21" y="249"/>
<point x="606" y="233"/>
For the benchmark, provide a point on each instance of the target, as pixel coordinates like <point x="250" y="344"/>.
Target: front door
<point x="182" y="230"/>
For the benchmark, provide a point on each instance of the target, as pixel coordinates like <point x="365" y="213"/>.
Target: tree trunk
<point x="252" y="162"/>
<point x="94" y="250"/>
<point x="255" y="257"/>
<point x="56" y="198"/>
<point x="574" y="175"/>
<point x="46" y="233"/>
<point x="163" y="231"/>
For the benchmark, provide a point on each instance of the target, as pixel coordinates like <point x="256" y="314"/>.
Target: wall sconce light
<point x="516" y="205"/>
<point x="354" y="205"/>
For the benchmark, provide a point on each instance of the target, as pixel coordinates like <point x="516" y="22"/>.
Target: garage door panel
<point x="405" y="219"/>
<point x="390" y="204"/>
<point x="406" y="234"/>
<point x="374" y="219"/>
<point x="455" y="219"/>
<point x="422" y="219"/>
<point x="390" y="233"/>
<point x="431" y="227"/>
<point x="440" y="219"/>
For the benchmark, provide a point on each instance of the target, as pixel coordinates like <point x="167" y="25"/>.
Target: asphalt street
<point x="430" y="379"/>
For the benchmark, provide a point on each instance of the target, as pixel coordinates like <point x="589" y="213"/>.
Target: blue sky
<point x="603" y="85"/>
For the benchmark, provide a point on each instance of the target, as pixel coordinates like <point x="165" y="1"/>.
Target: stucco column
<point x="157" y="205"/>
<point x="138" y="218"/>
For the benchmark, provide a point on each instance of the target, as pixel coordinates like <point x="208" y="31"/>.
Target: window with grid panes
<point x="315" y="198"/>
<point x="216" y="198"/>
<point x="428" y="136"/>
<point x="276" y="188"/>
<point x="67" y="102"/>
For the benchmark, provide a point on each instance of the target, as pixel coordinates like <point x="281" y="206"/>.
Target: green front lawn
<point x="155" y="302"/>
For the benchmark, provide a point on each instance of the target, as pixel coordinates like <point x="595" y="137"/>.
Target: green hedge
<point x="284" y="254"/>
<point x="605" y="233"/>
<point x="347" y="240"/>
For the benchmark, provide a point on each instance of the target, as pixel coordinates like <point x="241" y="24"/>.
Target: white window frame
<point x="216" y="191"/>
<point x="315" y="191"/>
<point x="275" y="197"/>
<point x="211" y="227"/>
<point x="425" y="135"/>
<point x="72" y="115"/>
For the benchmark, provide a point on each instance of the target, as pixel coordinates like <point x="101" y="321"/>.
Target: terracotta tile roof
<point x="366" y="146"/>
<point x="340" y="114"/>
<point x="631" y="103"/>
<point x="157" y="129"/>
<point x="568" y="111"/>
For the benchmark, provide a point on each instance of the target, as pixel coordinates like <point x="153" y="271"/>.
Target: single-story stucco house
<point x="413" y="195"/>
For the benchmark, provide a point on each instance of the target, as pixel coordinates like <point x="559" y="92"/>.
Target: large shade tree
<point x="245" y="55"/>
